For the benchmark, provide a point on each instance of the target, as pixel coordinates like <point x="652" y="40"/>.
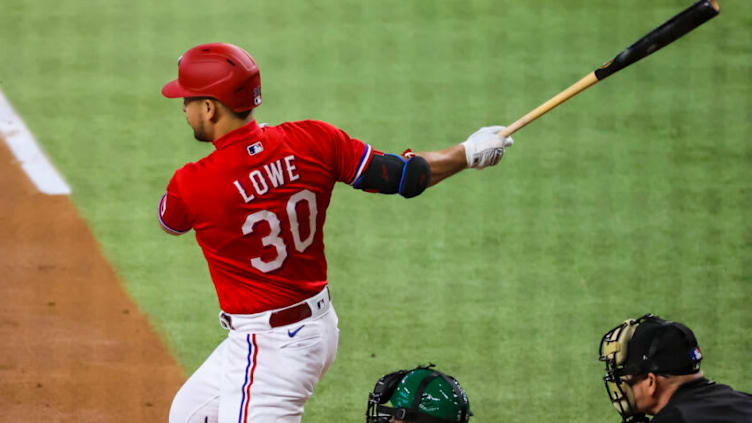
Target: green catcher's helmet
<point x="420" y="395"/>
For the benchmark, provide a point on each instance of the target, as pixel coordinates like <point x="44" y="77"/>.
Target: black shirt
<point x="702" y="400"/>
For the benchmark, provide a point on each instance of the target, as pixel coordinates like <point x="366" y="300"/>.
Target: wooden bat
<point x="668" y="32"/>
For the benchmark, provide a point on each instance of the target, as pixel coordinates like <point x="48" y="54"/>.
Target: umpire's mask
<point x="640" y="346"/>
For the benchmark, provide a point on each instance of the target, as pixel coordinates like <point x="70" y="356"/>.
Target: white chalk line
<point x="24" y="147"/>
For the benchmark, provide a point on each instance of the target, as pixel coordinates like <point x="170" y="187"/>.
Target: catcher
<point x="419" y="395"/>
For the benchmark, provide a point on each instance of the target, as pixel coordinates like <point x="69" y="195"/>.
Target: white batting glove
<point x="485" y="147"/>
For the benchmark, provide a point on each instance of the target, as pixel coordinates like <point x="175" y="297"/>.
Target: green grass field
<point x="633" y="197"/>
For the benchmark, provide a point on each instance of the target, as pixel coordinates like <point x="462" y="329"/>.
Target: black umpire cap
<point x="662" y="347"/>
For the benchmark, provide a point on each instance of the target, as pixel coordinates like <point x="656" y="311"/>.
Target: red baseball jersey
<point x="257" y="205"/>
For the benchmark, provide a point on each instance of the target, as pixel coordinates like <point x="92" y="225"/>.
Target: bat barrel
<point x="670" y="31"/>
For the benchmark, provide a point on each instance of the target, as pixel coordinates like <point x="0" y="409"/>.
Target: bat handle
<point x="539" y="111"/>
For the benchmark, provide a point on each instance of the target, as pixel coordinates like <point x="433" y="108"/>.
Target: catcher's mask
<point x="414" y="394"/>
<point x="640" y="346"/>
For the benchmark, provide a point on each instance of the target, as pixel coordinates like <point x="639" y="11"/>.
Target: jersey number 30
<point x="273" y="239"/>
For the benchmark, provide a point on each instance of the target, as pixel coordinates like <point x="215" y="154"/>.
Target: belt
<point x="294" y="314"/>
<point x="282" y="317"/>
<point x="288" y="316"/>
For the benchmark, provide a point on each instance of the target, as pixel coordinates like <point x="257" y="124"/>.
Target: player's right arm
<point x="411" y="173"/>
<point x="481" y="149"/>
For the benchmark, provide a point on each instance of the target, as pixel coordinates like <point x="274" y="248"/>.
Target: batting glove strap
<point x="485" y="147"/>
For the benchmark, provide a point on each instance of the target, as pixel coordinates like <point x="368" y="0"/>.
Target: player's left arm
<point x="172" y="212"/>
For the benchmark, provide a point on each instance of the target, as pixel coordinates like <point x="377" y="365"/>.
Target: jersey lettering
<point x="247" y="198"/>
<point x="292" y="213"/>
<point x="274" y="174"/>
<point x="291" y="167"/>
<point x="273" y="238"/>
<point x="258" y="182"/>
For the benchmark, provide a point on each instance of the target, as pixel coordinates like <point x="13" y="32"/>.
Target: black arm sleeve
<point x="392" y="174"/>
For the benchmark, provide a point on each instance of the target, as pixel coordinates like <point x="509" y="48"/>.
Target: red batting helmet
<point x="218" y="70"/>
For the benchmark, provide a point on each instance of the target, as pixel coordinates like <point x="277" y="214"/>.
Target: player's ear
<point x="209" y="106"/>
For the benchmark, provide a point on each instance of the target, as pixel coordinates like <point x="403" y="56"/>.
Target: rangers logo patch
<point x="255" y="148"/>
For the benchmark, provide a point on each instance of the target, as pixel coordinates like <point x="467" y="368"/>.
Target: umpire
<point x="653" y="368"/>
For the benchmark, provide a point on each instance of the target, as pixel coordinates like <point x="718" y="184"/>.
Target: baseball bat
<point x="668" y="32"/>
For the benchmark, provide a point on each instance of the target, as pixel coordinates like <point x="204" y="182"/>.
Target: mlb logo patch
<point x="255" y="148"/>
<point x="696" y="355"/>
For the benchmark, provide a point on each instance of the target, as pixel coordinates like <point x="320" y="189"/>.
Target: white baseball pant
<point x="261" y="374"/>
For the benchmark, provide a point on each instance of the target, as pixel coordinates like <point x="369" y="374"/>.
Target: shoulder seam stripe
<point x="362" y="164"/>
<point x="162" y="222"/>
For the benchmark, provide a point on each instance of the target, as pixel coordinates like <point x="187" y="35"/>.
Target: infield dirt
<point x="74" y="347"/>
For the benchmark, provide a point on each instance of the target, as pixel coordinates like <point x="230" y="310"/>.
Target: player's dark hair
<point x="239" y="115"/>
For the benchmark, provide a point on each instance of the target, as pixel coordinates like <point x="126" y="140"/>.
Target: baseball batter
<point x="257" y="205"/>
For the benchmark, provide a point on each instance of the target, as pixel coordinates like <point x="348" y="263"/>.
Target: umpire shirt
<point x="704" y="401"/>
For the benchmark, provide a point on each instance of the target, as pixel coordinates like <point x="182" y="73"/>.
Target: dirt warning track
<point x="73" y="346"/>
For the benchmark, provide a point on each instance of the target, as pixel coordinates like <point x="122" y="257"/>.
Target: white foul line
<point x="23" y="145"/>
